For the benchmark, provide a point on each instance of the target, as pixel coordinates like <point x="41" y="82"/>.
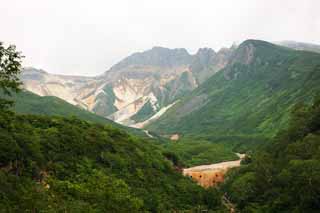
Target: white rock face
<point x="130" y="95"/>
<point x="69" y="88"/>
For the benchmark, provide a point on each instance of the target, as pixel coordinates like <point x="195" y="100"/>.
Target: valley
<point x="162" y="130"/>
<point x="160" y="106"/>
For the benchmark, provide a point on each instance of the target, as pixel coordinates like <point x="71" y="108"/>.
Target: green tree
<point x="10" y="68"/>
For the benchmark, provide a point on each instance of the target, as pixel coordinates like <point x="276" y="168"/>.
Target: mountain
<point x="135" y="89"/>
<point x="250" y="98"/>
<point x="300" y="46"/>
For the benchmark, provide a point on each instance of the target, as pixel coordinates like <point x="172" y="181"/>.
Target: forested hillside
<point x="57" y="164"/>
<point x="285" y="175"/>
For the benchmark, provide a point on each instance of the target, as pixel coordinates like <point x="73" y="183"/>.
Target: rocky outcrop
<point x="157" y="56"/>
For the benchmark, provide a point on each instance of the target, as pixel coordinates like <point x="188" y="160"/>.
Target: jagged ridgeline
<point x="251" y="97"/>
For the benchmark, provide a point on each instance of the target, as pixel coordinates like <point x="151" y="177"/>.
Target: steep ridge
<point x="136" y="88"/>
<point x="252" y="95"/>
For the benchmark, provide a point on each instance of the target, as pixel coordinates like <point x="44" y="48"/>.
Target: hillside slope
<point x="251" y="96"/>
<point x="56" y="164"/>
<point x="28" y="103"/>
<point x="284" y="176"/>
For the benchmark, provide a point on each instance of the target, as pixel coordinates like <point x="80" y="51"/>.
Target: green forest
<point x="58" y="164"/>
<point x="284" y="175"/>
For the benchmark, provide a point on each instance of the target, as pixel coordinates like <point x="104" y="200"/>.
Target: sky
<point x="86" y="37"/>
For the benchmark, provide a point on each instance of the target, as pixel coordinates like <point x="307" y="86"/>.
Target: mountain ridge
<point x="140" y="85"/>
<point x="158" y="76"/>
<point x="263" y="74"/>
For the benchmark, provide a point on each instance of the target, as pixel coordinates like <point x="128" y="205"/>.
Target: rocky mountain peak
<point x="205" y="55"/>
<point x="244" y="54"/>
<point x="157" y="56"/>
<point x="202" y="59"/>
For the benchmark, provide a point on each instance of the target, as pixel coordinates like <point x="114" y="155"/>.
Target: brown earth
<point x="211" y="175"/>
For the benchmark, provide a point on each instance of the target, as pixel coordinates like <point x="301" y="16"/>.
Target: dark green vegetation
<point x="58" y="164"/>
<point x="284" y="176"/>
<point x="250" y="99"/>
<point x="10" y="65"/>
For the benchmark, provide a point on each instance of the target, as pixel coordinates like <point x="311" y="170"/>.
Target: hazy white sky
<point x="86" y="37"/>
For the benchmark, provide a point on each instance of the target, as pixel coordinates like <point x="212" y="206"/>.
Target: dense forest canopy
<point x="284" y="176"/>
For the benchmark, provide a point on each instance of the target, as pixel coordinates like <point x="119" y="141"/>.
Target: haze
<point x="81" y="37"/>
